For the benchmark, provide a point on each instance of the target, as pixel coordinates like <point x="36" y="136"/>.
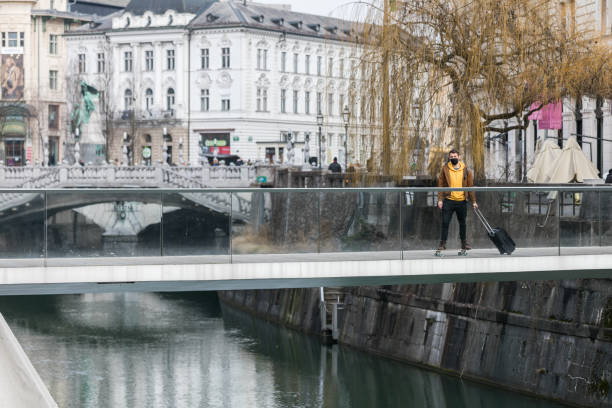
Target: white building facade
<point x="222" y="77"/>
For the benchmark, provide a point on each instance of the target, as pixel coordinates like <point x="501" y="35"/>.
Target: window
<point x="170" y="99"/>
<point x="127" y="61"/>
<point x="53" y="44"/>
<point x="330" y="67"/>
<point x="21" y="39"/>
<point x="204" y="100"/>
<point x="340" y="104"/>
<point x="170" y="60"/>
<point x="52" y="4"/>
<point x="149" y="99"/>
<point x="52" y="79"/>
<point x="295" y="63"/>
<point x="307" y="64"/>
<point x="225" y="104"/>
<point x="53" y="116"/>
<point x="3" y="39"/>
<point x="319" y="102"/>
<point x="225" y="61"/>
<point x="127" y="99"/>
<point x="319" y="64"/>
<point x="12" y="39"/>
<point x="101" y="63"/>
<point x="262" y="59"/>
<point x="341" y="68"/>
<point x="149" y="60"/>
<point x="307" y="102"/>
<point x="295" y="101"/>
<point x="82" y="64"/>
<point x="204" y="58"/>
<point x="283" y="61"/>
<point x="330" y="104"/>
<point x="264" y="99"/>
<point x="283" y="100"/>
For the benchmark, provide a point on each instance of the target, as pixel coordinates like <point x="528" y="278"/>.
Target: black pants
<point x="459" y="207"/>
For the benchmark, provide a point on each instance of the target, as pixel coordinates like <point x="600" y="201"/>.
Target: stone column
<point x="159" y="61"/>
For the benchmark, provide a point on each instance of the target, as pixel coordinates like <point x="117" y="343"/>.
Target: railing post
<point x="63" y="174"/>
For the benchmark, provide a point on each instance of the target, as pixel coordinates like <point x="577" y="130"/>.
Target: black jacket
<point x="335" y="168"/>
<point x="609" y="178"/>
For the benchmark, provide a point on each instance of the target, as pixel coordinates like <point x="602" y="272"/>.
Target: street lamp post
<point x="320" y="124"/>
<point x="346" y="115"/>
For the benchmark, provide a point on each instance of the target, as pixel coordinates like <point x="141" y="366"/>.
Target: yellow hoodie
<point x="456" y="180"/>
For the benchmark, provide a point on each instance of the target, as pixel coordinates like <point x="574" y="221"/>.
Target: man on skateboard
<point x="455" y="174"/>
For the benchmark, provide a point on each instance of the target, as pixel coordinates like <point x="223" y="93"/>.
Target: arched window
<point x="170" y="99"/>
<point x="168" y="138"/>
<point x="149" y="98"/>
<point x="127" y="99"/>
<point x="147" y="138"/>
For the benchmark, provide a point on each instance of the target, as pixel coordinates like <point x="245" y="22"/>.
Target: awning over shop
<point x="14" y="128"/>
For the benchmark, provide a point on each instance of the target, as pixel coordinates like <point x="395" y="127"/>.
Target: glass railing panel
<point x="22" y="224"/>
<point x="358" y="224"/>
<point x="266" y="226"/>
<point x="197" y="223"/>
<point x="528" y="218"/>
<point x="605" y="211"/>
<point x="580" y="222"/>
<point x="111" y="223"/>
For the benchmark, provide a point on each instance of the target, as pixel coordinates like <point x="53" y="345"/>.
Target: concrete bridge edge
<point x="20" y="384"/>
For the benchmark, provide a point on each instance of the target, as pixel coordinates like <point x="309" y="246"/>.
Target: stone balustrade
<point x="129" y="176"/>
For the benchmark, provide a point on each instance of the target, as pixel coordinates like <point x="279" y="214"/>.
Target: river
<point x="185" y="350"/>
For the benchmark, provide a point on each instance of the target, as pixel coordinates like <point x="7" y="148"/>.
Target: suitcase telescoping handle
<point x="483" y="220"/>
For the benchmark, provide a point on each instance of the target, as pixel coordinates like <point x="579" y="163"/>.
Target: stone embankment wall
<point x="552" y="339"/>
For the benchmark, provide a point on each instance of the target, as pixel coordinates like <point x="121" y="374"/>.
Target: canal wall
<point x="547" y="338"/>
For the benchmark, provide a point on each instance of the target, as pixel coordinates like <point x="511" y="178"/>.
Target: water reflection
<point x="183" y="350"/>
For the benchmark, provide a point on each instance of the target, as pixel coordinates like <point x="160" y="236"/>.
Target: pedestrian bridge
<point x="294" y="238"/>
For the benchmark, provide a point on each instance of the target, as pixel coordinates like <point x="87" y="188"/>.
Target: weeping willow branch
<point x="438" y="74"/>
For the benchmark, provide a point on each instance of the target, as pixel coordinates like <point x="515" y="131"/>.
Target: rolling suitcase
<point x="499" y="237"/>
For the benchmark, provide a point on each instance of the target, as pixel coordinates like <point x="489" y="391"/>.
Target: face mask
<point x="454" y="161"/>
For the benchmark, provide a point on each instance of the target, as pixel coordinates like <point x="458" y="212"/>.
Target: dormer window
<point x="210" y="17"/>
<point x="296" y="24"/>
<point x="315" y="27"/>
<point x="170" y="19"/>
<point x="127" y="22"/>
<point x="148" y="21"/>
<point x="332" y="29"/>
<point x="259" y="18"/>
<point x="278" y="21"/>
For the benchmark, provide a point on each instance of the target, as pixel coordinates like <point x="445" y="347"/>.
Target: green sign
<point x="262" y="179"/>
<point x="215" y="142"/>
<point x="146" y="152"/>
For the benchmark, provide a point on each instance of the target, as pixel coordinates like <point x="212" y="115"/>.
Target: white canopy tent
<point x="546" y="157"/>
<point x="556" y="166"/>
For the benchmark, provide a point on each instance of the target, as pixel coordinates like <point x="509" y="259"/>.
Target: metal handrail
<point x="539" y="188"/>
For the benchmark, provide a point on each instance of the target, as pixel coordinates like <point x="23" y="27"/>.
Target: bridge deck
<point x="190" y="273"/>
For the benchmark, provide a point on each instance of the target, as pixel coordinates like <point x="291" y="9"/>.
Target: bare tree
<point x="486" y="61"/>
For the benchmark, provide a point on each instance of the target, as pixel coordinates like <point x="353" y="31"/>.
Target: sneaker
<point x="442" y="246"/>
<point x="465" y="245"/>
